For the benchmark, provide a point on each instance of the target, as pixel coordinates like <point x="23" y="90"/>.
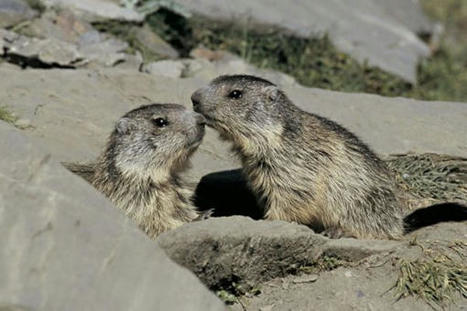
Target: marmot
<point x="140" y="166"/>
<point x="302" y="167"/>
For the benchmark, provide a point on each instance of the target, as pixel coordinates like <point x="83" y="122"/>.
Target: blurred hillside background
<point x="315" y="61"/>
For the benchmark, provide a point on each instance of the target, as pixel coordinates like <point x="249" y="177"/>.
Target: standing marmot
<point x="139" y="168"/>
<point x="302" y="167"/>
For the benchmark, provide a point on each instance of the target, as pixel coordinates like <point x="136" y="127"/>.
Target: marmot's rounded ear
<point x="272" y="92"/>
<point x="123" y="126"/>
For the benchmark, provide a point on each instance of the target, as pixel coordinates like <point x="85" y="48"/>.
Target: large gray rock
<point x="62" y="25"/>
<point x="153" y="43"/>
<point x="382" y="32"/>
<point x="240" y="250"/>
<point x="73" y="112"/>
<point x="91" y="48"/>
<point x="47" y="52"/>
<point x="12" y="12"/>
<point x="239" y="254"/>
<point x="102" y="49"/>
<point x="65" y="247"/>
<point x="367" y="284"/>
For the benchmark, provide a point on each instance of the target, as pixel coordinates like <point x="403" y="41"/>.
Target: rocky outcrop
<point x="384" y="33"/>
<point x="239" y="250"/>
<point x="13" y="12"/>
<point x="65" y="247"/>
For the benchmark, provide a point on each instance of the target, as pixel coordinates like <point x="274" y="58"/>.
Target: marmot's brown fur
<point x="302" y="167"/>
<point x="140" y="166"/>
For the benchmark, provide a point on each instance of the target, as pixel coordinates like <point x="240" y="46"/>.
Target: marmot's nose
<point x="196" y="100"/>
<point x="200" y="120"/>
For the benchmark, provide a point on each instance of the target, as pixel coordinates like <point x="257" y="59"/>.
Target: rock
<point x="23" y="123"/>
<point x="96" y="10"/>
<point x="102" y="49"/>
<point x="13" y="12"/>
<point x="95" y="47"/>
<point x="210" y="64"/>
<point x="368" y="285"/>
<point x="165" y="68"/>
<point x="382" y="32"/>
<point x="91" y="49"/>
<point x="13" y="308"/>
<point x="409" y="14"/>
<point x="65" y="247"/>
<point x="223" y="63"/>
<point x="153" y="43"/>
<point x="131" y="62"/>
<point x="46" y="52"/>
<point x="62" y="25"/>
<point x="98" y="48"/>
<point x="230" y="64"/>
<point x="237" y="249"/>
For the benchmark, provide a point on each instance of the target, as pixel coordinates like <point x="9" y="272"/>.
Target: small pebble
<point x="266" y="308"/>
<point x="23" y="123"/>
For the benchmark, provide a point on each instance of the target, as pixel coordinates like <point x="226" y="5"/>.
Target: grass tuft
<point x="435" y="281"/>
<point x="429" y="175"/>
<point x="323" y="263"/>
<point x="7" y="116"/>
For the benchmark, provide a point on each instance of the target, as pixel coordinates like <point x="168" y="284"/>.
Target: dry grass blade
<point x="435" y="282"/>
<point x="430" y="175"/>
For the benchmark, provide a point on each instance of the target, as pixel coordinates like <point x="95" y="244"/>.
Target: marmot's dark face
<point x="156" y="137"/>
<point x="242" y="108"/>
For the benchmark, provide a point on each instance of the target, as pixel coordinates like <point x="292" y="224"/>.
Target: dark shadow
<point x="227" y="193"/>
<point x="434" y="214"/>
<point x="31" y="62"/>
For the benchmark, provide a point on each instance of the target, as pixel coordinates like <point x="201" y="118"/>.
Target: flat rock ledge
<point x="65" y="247"/>
<point x="237" y="249"/>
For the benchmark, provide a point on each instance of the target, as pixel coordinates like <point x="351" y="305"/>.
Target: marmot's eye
<point x="236" y="94"/>
<point x="160" y="122"/>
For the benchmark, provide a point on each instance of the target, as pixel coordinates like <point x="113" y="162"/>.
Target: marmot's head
<point x="244" y="109"/>
<point x="155" y="140"/>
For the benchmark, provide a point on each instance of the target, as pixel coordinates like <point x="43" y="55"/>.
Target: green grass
<point x="7" y="116"/>
<point x="36" y="5"/>
<point x="444" y="75"/>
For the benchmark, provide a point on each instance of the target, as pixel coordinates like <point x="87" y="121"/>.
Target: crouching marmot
<point x="302" y="167"/>
<point x="140" y="166"/>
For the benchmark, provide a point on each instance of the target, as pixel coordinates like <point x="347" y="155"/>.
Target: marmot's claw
<point x="336" y="233"/>
<point x="203" y="215"/>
